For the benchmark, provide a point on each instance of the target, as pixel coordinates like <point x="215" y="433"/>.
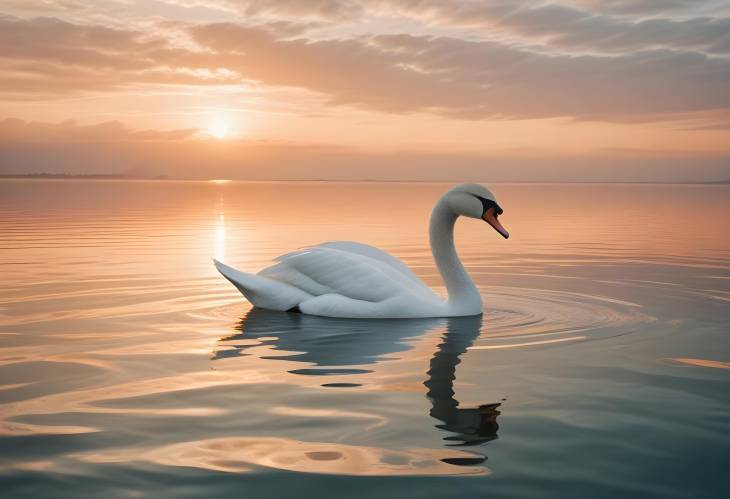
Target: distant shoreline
<point x="121" y="176"/>
<point x="81" y="176"/>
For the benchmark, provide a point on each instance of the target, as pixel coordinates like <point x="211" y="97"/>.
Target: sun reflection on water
<point x="219" y="250"/>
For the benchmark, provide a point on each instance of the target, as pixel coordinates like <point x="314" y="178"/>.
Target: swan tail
<point x="262" y="291"/>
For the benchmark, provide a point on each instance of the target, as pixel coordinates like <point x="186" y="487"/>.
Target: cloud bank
<point x="650" y="70"/>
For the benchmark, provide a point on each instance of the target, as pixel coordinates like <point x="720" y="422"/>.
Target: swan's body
<point x="348" y="279"/>
<point x="339" y="279"/>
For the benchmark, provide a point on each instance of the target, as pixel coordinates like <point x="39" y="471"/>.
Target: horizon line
<point x="164" y="178"/>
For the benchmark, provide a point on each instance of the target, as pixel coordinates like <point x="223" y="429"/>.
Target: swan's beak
<point x="491" y="218"/>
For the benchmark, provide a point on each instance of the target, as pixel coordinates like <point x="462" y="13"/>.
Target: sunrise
<point x="364" y="248"/>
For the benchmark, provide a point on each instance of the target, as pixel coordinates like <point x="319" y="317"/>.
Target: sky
<point x="560" y="90"/>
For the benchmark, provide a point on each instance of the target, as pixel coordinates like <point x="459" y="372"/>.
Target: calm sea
<point x="130" y="368"/>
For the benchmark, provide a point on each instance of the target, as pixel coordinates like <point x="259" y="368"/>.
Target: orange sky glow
<point x="562" y="90"/>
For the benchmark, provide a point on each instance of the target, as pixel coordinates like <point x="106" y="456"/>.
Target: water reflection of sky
<point x="123" y="353"/>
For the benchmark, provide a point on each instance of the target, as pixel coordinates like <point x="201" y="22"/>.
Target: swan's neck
<point x="463" y="294"/>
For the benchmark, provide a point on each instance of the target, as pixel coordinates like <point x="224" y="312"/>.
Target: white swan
<point x="354" y="280"/>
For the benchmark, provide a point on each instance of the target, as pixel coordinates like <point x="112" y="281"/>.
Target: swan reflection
<point x="355" y="347"/>
<point x="470" y="426"/>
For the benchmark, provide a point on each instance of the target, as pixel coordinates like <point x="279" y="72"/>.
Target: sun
<point x="219" y="130"/>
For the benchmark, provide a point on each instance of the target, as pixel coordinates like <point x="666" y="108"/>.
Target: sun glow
<point x="219" y="130"/>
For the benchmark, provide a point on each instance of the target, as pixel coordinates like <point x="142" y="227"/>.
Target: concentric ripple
<point x="517" y="317"/>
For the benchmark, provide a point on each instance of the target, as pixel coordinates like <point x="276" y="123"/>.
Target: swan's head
<point x="476" y="201"/>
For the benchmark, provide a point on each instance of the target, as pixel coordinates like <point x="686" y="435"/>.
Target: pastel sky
<point x="378" y="89"/>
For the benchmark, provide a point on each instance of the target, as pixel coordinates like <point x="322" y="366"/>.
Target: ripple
<point x="524" y="314"/>
<point x="715" y="364"/>
<point x="244" y="454"/>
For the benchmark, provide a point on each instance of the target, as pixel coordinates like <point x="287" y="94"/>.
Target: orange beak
<point x="491" y="218"/>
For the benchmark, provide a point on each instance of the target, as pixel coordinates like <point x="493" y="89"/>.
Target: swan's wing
<point x="323" y="269"/>
<point x="377" y="254"/>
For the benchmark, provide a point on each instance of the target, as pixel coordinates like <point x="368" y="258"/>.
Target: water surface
<point x="601" y="367"/>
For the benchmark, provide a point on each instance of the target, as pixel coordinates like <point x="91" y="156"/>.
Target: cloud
<point x="258" y="10"/>
<point x="644" y="7"/>
<point x="572" y="29"/>
<point x="46" y="56"/>
<point x="40" y="6"/>
<point x="446" y="76"/>
<point x="54" y="39"/>
<point x="474" y="79"/>
<point x="14" y="130"/>
<point x="322" y="9"/>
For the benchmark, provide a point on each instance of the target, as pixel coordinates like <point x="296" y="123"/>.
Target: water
<point x="128" y="367"/>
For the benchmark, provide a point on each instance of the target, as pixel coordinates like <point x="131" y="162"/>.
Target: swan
<point x="354" y="280"/>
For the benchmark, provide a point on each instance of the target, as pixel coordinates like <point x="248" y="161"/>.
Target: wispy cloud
<point x="391" y="73"/>
<point x="574" y="30"/>
<point x="18" y="130"/>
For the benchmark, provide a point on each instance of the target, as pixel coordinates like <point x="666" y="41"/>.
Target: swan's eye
<point x="488" y="203"/>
